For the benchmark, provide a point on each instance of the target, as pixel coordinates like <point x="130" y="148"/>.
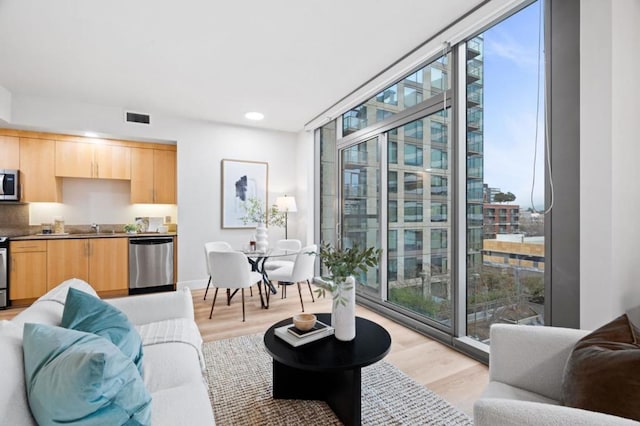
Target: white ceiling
<point x="209" y="59"/>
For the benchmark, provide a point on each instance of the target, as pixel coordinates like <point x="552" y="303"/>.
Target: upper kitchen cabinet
<point x="92" y="160"/>
<point x="37" y="171"/>
<point x="10" y="149"/>
<point x="164" y="176"/>
<point x="113" y="162"/>
<point x="153" y="176"/>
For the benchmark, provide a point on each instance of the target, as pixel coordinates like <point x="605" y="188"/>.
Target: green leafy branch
<point x="341" y="264"/>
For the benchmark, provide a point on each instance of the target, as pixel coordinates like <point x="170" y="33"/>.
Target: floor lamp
<point x="287" y="205"/>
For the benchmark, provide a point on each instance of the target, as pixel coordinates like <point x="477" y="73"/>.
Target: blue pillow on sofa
<point x="78" y="378"/>
<point x="85" y="312"/>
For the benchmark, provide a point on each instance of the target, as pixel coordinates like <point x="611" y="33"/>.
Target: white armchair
<point x="525" y="379"/>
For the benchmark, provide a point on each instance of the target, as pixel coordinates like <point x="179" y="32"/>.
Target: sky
<point x="510" y="85"/>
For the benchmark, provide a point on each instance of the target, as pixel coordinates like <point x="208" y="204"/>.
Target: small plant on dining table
<point x="341" y="264"/>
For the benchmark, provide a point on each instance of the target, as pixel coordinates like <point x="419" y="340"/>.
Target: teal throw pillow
<point x="78" y="378"/>
<point x="85" y="312"/>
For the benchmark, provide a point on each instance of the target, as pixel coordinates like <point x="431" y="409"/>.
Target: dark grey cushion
<point x="603" y="371"/>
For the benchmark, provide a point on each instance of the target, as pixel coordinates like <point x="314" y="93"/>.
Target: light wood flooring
<point x="456" y="377"/>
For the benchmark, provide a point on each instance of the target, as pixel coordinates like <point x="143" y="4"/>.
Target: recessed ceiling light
<point x="91" y="134"/>
<point x="254" y="115"/>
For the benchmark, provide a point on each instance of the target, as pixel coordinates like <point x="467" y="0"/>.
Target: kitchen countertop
<point x="92" y="235"/>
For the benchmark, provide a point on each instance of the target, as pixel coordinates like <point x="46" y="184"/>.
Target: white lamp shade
<point x="286" y="204"/>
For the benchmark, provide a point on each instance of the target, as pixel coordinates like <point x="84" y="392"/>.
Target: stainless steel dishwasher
<point x="150" y="264"/>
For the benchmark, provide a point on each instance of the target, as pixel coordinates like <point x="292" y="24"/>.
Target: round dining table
<point x="256" y="259"/>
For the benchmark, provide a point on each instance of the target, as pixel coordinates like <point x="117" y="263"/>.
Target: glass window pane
<point x="413" y="183"/>
<point x="393" y="152"/>
<point x="328" y="185"/>
<point x="412" y="155"/>
<point x="418" y="273"/>
<point x="393" y="211"/>
<point x="505" y="246"/>
<point x="360" y="224"/>
<point x="414" y="89"/>
<point x="439" y="186"/>
<point x="412" y="211"/>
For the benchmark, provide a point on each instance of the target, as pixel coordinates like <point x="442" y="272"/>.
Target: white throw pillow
<point x="14" y="405"/>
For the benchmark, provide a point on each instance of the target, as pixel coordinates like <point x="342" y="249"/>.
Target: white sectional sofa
<point x="172" y="362"/>
<point x="525" y="380"/>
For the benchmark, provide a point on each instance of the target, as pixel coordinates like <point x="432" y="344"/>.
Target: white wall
<point x="626" y="152"/>
<point x="201" y="147"/>
<point x="5" y="105"/>
<point x="609" y="198"/>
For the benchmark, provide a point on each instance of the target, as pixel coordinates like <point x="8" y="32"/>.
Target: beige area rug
<point x="239" y="376"/>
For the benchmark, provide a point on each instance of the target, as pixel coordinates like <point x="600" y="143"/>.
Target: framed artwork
<point x="241" y="181"/>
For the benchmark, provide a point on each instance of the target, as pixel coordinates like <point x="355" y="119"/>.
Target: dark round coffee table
<point x="327" y="369"/>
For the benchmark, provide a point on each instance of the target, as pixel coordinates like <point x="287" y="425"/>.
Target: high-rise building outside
<point x="500" y="218"/>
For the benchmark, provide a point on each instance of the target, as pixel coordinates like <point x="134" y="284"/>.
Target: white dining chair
<point x="289" y="245"/>
<point x="231" y="272"/>
<point x="301" y="270"/>
<point x="209" y="247"/>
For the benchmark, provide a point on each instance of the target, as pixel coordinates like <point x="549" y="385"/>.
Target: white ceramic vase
<point x="262" y="239"/>
<point x="343" y="316"/>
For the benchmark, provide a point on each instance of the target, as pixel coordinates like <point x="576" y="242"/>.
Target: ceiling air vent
<point x="136" y="117"/>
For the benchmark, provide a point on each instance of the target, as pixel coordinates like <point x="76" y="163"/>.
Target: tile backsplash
<point x="14" y="219"/>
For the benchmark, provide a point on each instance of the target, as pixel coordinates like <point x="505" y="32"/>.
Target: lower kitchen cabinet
<point x="67" y="259"/>
<point x="102" y="262"/>
<point x="109" y="264"/>
<point x="27" y="270"/>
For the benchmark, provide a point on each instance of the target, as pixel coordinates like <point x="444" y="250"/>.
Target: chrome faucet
<point x="96" y="227"/>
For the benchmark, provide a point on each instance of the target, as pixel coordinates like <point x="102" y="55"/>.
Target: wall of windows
<point x="397" y="188"/>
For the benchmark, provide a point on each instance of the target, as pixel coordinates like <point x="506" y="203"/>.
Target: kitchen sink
<point x="96" y="234"/>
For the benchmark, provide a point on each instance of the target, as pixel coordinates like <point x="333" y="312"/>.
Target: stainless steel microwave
<point x="9" y="185"/>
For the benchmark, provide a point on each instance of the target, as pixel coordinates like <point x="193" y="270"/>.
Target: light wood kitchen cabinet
<point x="112" y="162"/>
<point x="92" y="160"/>
<point x="27" y="270"/>
<point x="37" y="171"/>
<point x="153" y="176"/>
<point x="102" y="262"/>
<point x="74" y="159"/>
<point x="142" y="175"/>
<point x="67" y="259"/>
<point x="164" y="176"/>
<point x="9" y="152"/>
<point x="109" y="264"/>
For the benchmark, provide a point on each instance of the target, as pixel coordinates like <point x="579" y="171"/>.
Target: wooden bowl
<point x="304" y="322"/>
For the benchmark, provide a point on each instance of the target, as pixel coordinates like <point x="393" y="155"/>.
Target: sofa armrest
<point x="148" y="308"/>
<point x="503" y="412"/>
<point x="531" y="357"/>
